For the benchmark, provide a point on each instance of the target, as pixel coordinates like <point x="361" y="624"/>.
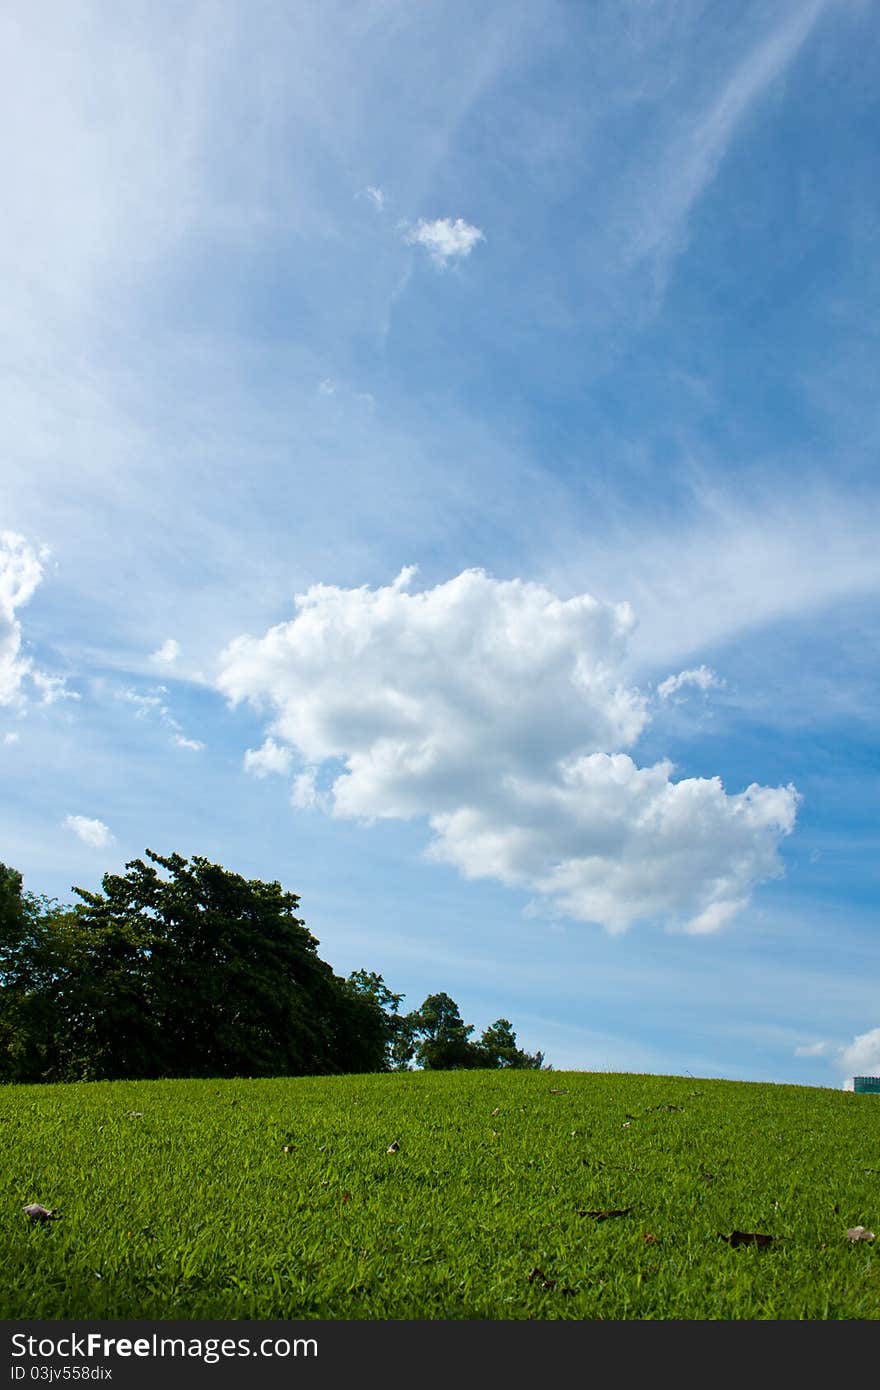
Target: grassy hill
<point x="511" y="1195"/>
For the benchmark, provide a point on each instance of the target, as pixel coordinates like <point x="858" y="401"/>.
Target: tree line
<point x="201" y="972"/>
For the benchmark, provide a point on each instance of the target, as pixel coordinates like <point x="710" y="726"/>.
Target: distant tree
<point x="443" y="1036"/>
<point x="498" y="1048"/>
<point x="399" y="1044"/>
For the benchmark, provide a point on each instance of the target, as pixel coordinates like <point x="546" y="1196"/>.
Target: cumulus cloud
<point x="862" y="1056"/>
<point x="499" y="712"/>
<point x="304" y="794"/>
<point x="443" y="239"/>
<point x="168" y="652"/>
<point x="269" y="757"/>
<point x="93" y="833"/>
<point x="21" y="570"/>
<point x="700" y="676"/>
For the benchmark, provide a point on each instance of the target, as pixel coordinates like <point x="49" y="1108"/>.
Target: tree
<point x="399" y="1043"/>
<point x="499" y="1049"/>
<point x="197" y="971"/>
<point x="443" y="1036"/>
<point x="38" y="1009"/>
<point x="200" y="973"/>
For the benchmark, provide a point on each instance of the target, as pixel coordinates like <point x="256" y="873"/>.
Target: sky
<point x="439" y="473"/>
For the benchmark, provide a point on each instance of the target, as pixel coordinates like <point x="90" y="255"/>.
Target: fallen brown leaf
<point x="554" y="1091"/>
<point x="859" y="1233"/>
<point x="538" y="1275"/>
<point x="650" y="1239"/>
<point x="748" y="1238"/>
<point x="35" y="1211"/>
<point x="497" y="1110"/>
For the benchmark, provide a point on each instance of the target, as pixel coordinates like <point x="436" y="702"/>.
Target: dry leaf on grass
<point x="859" y="1233"/>
<point x="392" y="1148"/>
<point x="650" y="1239"/>
<point x="537" y="1276"/>
<point x="748" y="1238"/>
<point x="35" y="1211"/>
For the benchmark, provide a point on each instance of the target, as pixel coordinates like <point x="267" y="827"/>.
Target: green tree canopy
<point x="198" y="973"/>
<point x="499" y="1049"/>
<point x="182" y="968"/>
<point x="443" y="1036"/>
<point x="440" y="1040"/>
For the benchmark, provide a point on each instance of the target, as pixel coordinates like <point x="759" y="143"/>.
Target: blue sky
<point x="439" y="472"/>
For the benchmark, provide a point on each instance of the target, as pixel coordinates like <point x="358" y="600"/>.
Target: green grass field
<point x="279" y="1198"/>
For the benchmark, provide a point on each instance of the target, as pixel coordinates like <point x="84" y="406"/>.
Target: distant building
<point x="867" y="1084"/>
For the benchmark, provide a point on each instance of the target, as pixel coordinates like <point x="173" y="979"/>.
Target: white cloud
<point x="498" y="711"/>
<point x="52" y="688"/>
<point x="862" y="1056"/>
<point x="376" y="197"/>
<point x="269" y="757"/>
<point x="20" y="573"/>
<point x="92" y="832"/>
<point x="11" y="738"/>
<point x="154" y="703"/>
<point x="681" y="181"/>
<point x="444" y="239"/>
<point x="180" y="741"/>
<point x="816" y="1049"/>
<point x="700" y="676"/>
<point x="304" y="794"/>
<point x="168" y="652"/>
<point x="327" y="387"/>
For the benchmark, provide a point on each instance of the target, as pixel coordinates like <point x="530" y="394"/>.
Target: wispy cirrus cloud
<point x="154" y="704"/>
<point x="700" y="677"/>
<point x="693" y="159"/>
